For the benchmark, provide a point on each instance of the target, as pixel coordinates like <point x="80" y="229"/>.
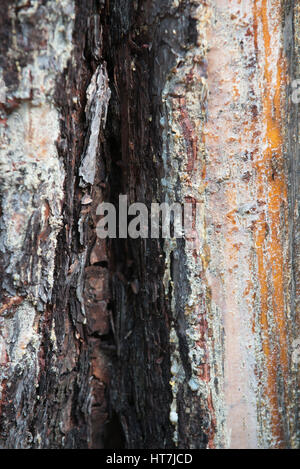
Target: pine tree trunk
<point x="149" y="343"/>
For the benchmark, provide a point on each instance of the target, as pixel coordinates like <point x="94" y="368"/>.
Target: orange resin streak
<point x="272" y="189"/>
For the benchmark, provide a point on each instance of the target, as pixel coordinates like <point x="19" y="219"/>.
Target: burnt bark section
<point x="73" y="385"/>
<point x="143" y="41"/>
<point x="74" y="290"/>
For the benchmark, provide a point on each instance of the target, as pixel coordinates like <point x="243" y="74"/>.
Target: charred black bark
<point x="143" y="42"/>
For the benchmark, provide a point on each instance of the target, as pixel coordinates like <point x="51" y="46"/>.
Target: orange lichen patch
<point x="269" y="246"/>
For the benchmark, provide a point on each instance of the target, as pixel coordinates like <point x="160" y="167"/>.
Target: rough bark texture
<point x="149" y="343"/>
<point x="53" y="379"/>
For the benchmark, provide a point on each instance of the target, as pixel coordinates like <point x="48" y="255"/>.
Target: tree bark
<point x="149" y="343"/>
<point x="51" y="52"/>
